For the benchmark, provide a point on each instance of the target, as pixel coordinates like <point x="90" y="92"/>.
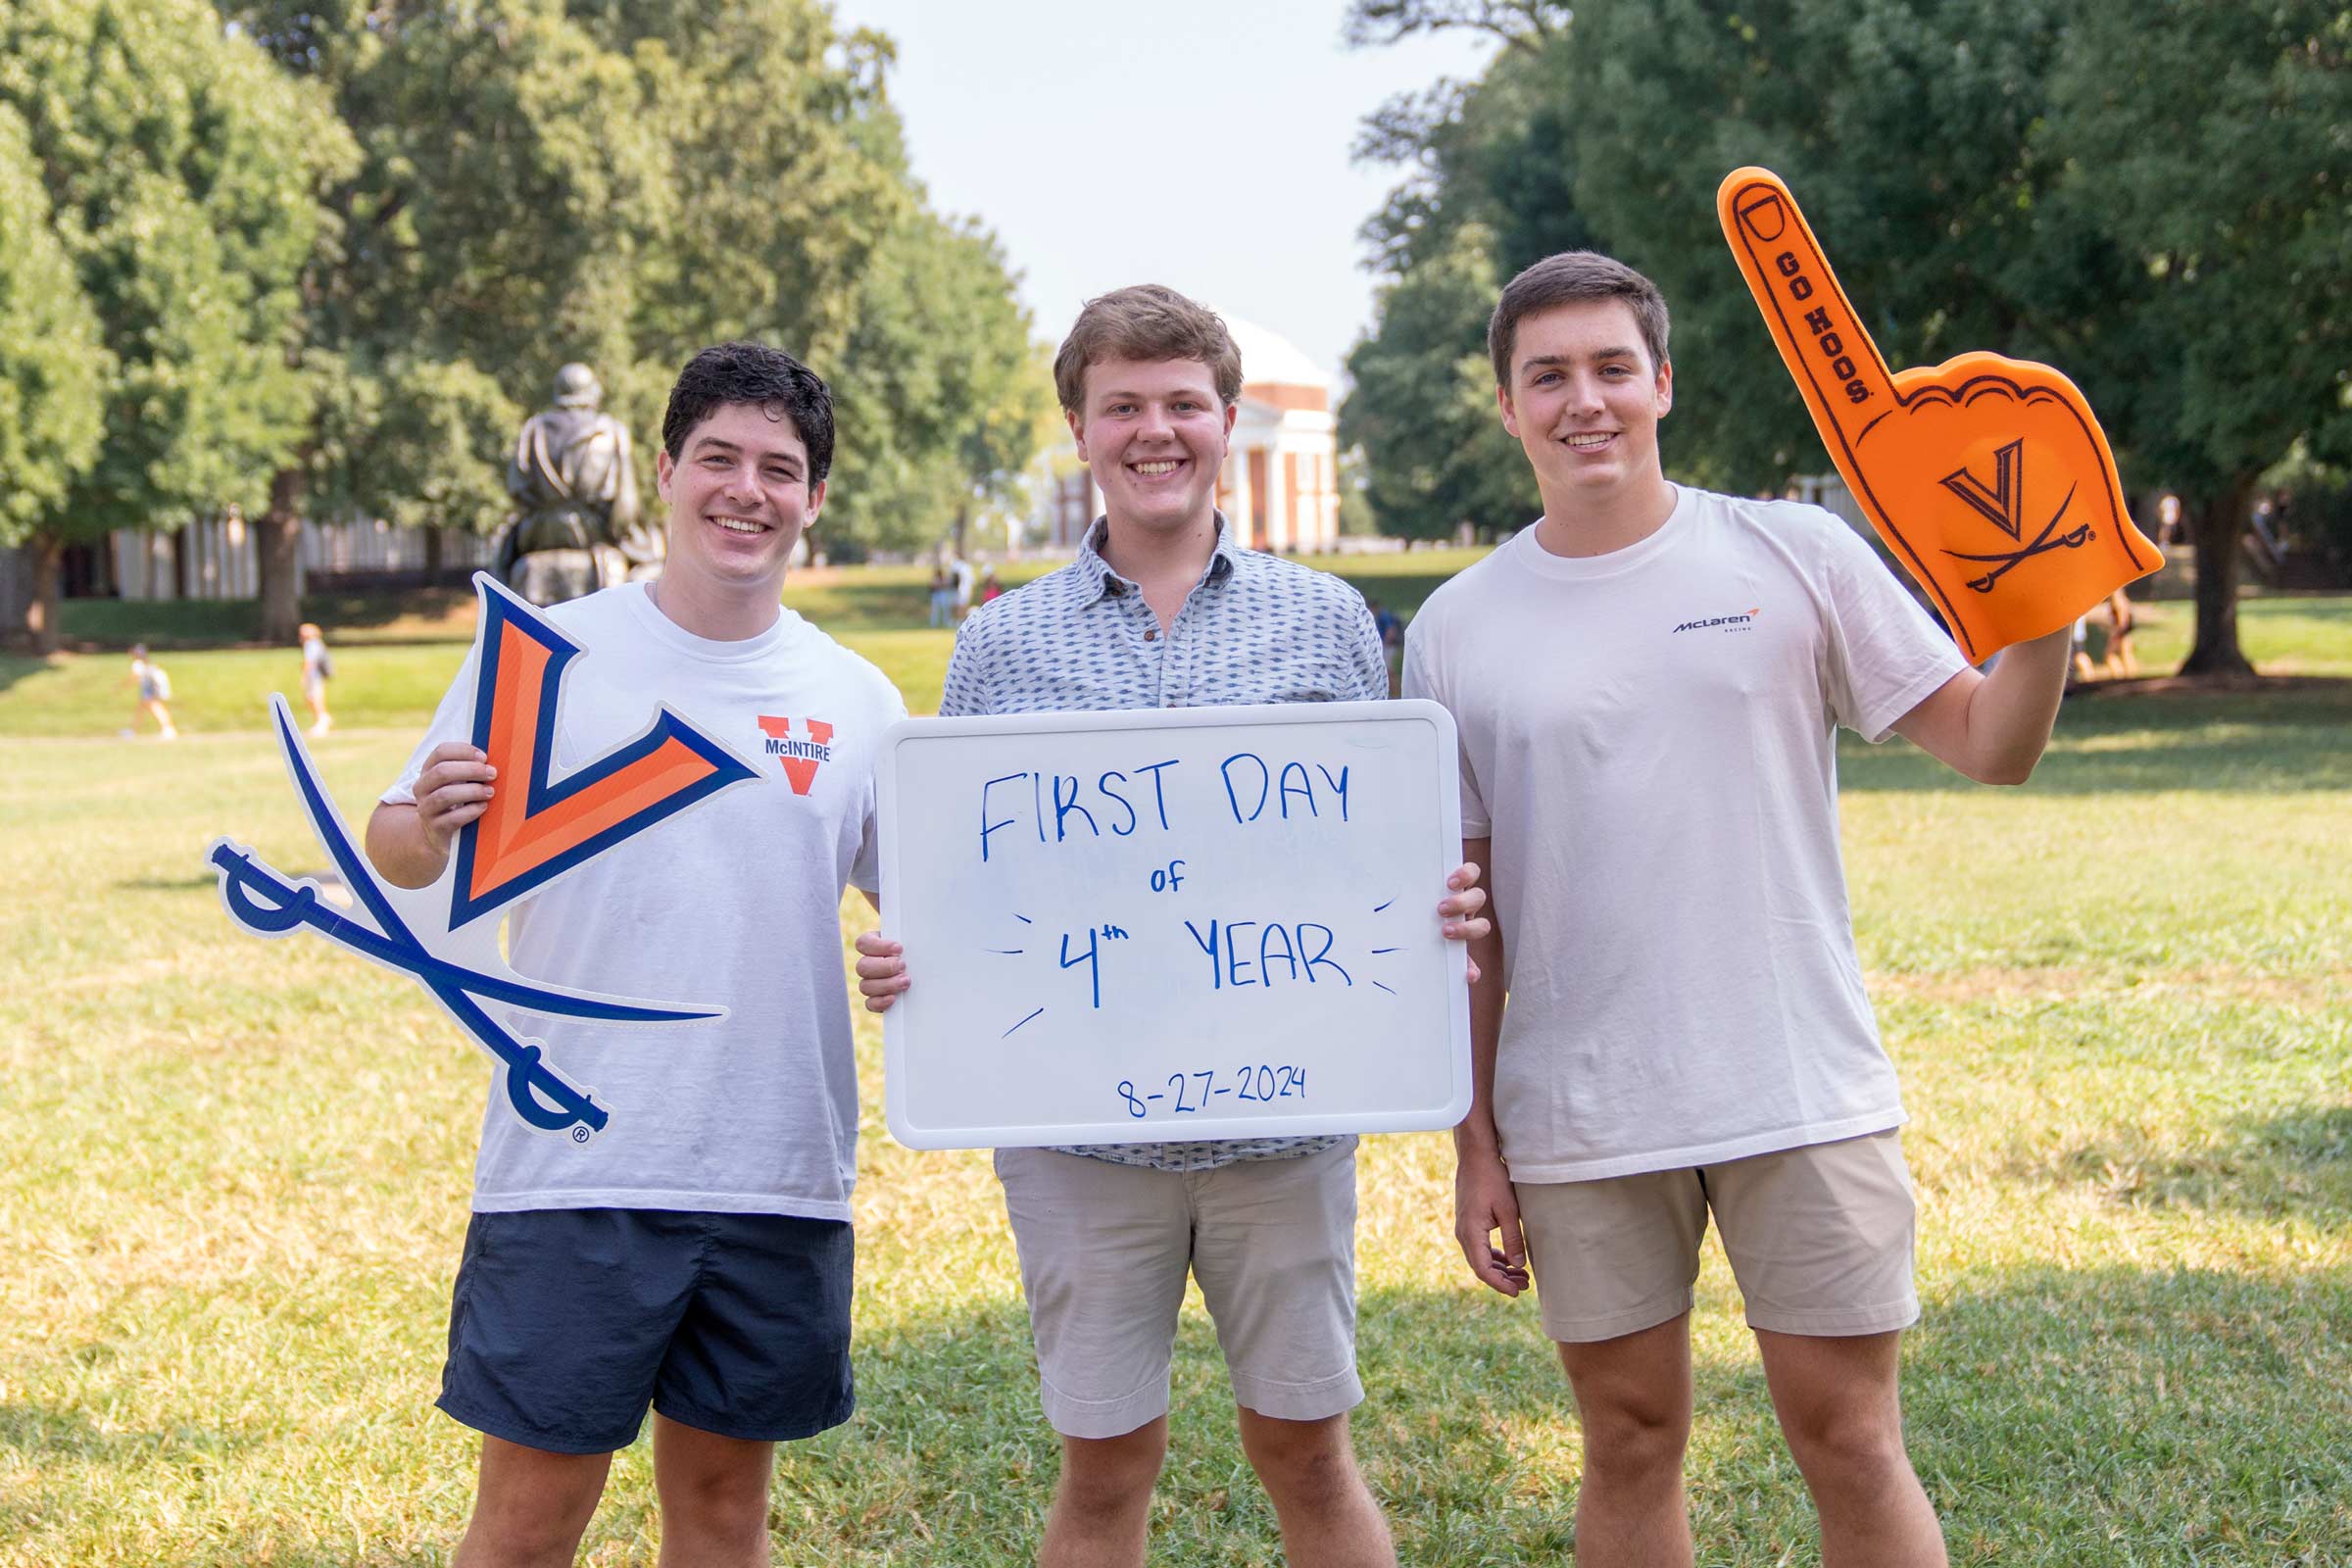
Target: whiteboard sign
<point x="1173" y="924"/>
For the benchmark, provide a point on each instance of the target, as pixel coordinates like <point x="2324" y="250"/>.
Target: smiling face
<point x="1585" y="401"/>
<point x="1154" y="433"/>
<point x="739" y="499"/>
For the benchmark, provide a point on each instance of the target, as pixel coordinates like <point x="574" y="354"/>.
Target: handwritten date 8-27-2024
<point x="1187" y="1092"/>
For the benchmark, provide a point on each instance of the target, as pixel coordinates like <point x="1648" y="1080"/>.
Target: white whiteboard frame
<point x="897" y="891"/>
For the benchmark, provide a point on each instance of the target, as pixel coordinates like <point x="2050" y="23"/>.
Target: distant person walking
<point x="2083" y="668"/>
<point x="317" y="668"/>
<point x="991" y="589"/>
<point x="1391" y="629"/>
<point x="943" y="595"/>
<point x="155" y="690"/>
<point x="964" y="576"/>
<point x="2121" y="663"/>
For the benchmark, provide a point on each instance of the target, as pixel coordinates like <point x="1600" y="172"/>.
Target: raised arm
<point x="1994" y="728"/>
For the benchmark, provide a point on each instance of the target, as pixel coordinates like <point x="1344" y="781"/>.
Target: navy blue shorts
<point x="567" y="1323"/>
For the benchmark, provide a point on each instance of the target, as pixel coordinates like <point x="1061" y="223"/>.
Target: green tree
<point x="509" y="171"/>
<point x="1904" y="127"/>
<point x="177" y="164"/>
<point x="1423" y="403"/>
<point x="2210" y="143"/>
<point x="912" y="318"/>
<point x="52" y="368"/>
<point x="615" y="181"/>
<point x="1487" y="188"/>
<point x="2149" y="196"/>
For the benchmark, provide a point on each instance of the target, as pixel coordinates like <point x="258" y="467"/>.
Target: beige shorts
<point x="1105" y="1252"/>
<point x="1820" y="1239"/>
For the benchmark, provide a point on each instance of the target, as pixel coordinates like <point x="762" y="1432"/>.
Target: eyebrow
<point x="713" y="443"/>
<point x="1534" y="360"/>
<point x="1115" y="395"/>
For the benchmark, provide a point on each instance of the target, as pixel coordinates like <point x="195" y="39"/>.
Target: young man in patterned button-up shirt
<point x="1163" y="609"/>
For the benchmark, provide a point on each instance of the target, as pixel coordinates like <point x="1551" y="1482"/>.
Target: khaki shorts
<point x="1820" y="1239"/>
<point x="1105" y="1252"/>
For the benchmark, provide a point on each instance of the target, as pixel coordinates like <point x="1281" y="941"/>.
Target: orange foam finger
<point x="1987" y="478"/>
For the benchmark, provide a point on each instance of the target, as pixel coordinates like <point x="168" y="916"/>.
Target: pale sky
<point x="1203" y="146"/>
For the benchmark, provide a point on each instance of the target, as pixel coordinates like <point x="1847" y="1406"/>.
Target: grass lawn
<point x="395" y="658"/>
<point x="233" y="1177"/>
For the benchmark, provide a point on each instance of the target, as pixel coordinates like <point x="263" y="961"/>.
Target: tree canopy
<point x="177" y="165"/>
<point x="52" y="366"/>
<point x="340" y="249"/>
<point x="2151" y="197"/>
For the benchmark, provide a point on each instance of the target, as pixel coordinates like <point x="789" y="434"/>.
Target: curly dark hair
<point x="769" y="380"/>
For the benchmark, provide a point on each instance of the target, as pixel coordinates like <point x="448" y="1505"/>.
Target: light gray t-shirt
<point x="1648" y="737"/>
<point x="735" y="902"/>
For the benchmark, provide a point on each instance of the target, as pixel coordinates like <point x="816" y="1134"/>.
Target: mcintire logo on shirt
<point x="799" y="758"/>
<point x="1743" y="622"/>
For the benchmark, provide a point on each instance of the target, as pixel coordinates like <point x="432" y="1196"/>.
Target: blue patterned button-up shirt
<point x="1255" y="628"/>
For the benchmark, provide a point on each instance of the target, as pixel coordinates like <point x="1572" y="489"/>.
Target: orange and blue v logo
<point x="534" y="833"/>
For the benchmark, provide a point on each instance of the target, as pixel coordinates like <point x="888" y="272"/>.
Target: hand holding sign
<point x="1988" y="476"/>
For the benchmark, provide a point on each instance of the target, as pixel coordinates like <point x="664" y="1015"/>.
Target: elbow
<point x="2007" y="771"/>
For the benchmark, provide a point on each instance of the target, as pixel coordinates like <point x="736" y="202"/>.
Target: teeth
<point x="1587" y="443"/>
<point x="738" y="526"/>
<point x="1155" y="470"/>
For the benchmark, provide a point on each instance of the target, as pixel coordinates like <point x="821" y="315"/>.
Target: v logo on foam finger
<point x="1915" y="446"/>
<point x="532" y="834"/>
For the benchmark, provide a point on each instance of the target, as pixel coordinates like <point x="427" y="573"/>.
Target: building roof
<point x="1268" y="356"/>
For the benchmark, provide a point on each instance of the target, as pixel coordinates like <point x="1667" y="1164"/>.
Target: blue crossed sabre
<point x="266" y="902"/>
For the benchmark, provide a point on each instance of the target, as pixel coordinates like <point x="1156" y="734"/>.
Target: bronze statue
<point x="575" y="527"/>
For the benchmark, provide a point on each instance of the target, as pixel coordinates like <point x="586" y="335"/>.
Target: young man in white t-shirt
<point x="695" y="1255"/>
<point x="1648" y="683"/>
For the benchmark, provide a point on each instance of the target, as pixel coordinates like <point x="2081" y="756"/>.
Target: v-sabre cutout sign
<point x="537" y="829"/>
<point x="1988" y="476"/>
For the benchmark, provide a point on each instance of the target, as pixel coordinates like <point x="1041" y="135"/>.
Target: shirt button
<point x="1152" y="634"/>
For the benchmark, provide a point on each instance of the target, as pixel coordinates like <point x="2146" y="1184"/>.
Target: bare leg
<point x="1327" y="1514"/>
<point x="1843" y="1416"/>
<point x="1633" y="1395"/>
<point x="714" y="1494"/>
<point x="1104" y="1499"/>
<point x="530" y="1507"/>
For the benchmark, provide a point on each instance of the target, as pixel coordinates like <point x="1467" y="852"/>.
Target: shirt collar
<point x="1099" y="579"/>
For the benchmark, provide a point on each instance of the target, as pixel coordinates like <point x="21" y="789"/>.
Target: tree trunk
<point x="276" y="538"/>
<point x="16" y="596"/>
<point x="963" y="531"/>
<point x="45" y="558"/>
<point x="2215" y="531"/>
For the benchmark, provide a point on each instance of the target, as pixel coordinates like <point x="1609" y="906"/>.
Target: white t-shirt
<point x="735" y="902"/>
<point x="1648" y="737"/>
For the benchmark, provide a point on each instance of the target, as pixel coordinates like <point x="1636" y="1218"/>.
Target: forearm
<point x="401" y="851"/>
<point x="2010" y="713"/>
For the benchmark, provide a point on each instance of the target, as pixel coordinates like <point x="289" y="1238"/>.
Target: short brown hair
<point x="1148" y="322"/>
<point x="1570" y="278"/>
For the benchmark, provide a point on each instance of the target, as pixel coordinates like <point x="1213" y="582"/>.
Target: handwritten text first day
<point x="1061" y="806"/>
